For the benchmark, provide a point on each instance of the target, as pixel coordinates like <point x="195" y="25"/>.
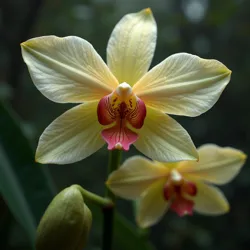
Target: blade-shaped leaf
<point x="14" y="196"/>
<point x="24" y="184"/>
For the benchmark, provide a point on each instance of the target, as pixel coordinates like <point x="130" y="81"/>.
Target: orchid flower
<point x="181" y="186"/>
<point x="120" y="103"/>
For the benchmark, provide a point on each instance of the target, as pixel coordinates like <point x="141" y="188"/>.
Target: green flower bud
<point x="66" y="223"/>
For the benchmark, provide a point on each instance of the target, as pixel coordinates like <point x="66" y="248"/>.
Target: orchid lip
<point x="121" y="108"/>
<point x="176" y="191"/>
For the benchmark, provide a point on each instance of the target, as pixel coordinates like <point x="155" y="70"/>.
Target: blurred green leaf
<point x="12" y="193"/>
<point x="25" y="186"/>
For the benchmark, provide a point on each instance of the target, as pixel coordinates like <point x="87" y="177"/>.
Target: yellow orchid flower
<point x="181" y="186"/>
<point x="121" y="103"/>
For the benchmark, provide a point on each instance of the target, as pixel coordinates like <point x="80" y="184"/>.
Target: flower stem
<point x="94" y="198"/>
<point x="108" y="212"/>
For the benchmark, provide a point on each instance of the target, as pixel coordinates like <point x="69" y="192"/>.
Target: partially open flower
<point x="182" y="187"/>
<point x="122" y="103"/>
<point x="66" y="223"/>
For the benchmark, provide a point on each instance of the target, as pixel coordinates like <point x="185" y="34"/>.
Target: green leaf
<point x="24" y="184"/>
<point x="14" y="197"/>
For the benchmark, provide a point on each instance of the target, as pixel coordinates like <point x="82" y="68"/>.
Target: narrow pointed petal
<point x="73" y="136"/>
<point x="217" y="165"/>
<point x="134" y="176"/>
<point x="163" y="139"/>
<point x="67" y="69"/>
<point x="209" y="200"/>
<point x="183" y="84"/>
<point x="151" y="206"/>
<point x="131" y="46"/>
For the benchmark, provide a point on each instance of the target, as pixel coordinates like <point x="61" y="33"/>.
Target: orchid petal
<point x="72" y="137"/>
<point x="67" y="69"/>
<point x="183" y="84"/>
<point x="209" y="200"/>
<point x="131" y="46"/>
<point x="134" y="176"/>
<point x="217" y="165"/>
<point x="151" y="206"/>
<point x="163" y="139"/>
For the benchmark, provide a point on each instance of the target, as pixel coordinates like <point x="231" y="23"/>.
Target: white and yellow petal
<point x="73" y="136"/>
<point x="67" y="69"/>
<point x="151" y="206"/>
<point x="209" y="200"/>
<point x="134" y="176"/>
<point x="163" y="139"/>
<point x="218" y="165"/>
<point x="131" y="46"/>
<point x="183" y="84"/>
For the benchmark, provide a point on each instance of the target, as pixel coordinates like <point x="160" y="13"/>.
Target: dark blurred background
<point x="217" y="29"/>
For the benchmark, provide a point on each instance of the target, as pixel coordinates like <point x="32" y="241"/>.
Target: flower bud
<point x="66" y="223"/>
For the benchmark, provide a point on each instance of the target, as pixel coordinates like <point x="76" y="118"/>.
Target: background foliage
<point x="209" y="28"/>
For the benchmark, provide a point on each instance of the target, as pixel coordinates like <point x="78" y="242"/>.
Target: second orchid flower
<point x="182" y="186"/>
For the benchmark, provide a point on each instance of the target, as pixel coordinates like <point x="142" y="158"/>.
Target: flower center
<point x="178" y="191"/>
<point x="118" y="110"/>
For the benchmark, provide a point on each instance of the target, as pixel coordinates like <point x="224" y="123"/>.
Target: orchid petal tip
<point x="147" y="12"/>
<point x="37" y="159"/>
<point x="24" y="44"/>
<point x="227" y="209"/>
<point x="243" y="157"/>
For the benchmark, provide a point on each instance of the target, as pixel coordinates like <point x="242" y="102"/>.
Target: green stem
<point x="94" y="198"/>
<point x="114" y="161"/>
<point x="108" y="212"/>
